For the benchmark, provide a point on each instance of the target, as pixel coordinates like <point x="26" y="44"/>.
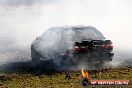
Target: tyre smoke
<point x="23" y="20"/>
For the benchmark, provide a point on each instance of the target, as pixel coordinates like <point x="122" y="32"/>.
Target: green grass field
<point x="57" y="79"/>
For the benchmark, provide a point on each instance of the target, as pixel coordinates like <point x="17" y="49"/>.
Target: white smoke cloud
<point x="112" y="18"/>
<point x="24" y="2"/>
<point x="22" y="20"/>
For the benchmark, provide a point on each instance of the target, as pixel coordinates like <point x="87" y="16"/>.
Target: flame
<point x="84" y="73"/>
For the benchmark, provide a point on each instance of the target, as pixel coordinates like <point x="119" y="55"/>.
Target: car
<point x="71" y="45"/>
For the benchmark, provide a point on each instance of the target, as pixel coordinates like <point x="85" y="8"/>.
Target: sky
<point x="23" y="20"/>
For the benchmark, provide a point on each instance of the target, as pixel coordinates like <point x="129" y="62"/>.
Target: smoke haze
<point x="22" y="20"/>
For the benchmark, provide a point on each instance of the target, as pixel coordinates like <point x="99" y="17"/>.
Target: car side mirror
<point x="37" y="38"/>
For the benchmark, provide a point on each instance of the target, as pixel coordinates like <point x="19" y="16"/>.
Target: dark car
<point x="70" y="45"/>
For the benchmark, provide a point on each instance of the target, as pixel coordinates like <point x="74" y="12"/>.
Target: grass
<point x="57" y="79"/>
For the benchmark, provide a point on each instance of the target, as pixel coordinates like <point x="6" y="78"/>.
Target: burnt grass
<point x="24" y="75"/>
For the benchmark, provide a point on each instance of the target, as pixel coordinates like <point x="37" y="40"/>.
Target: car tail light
<point x="109" y="45"/>
<point x="76" y="48"/>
